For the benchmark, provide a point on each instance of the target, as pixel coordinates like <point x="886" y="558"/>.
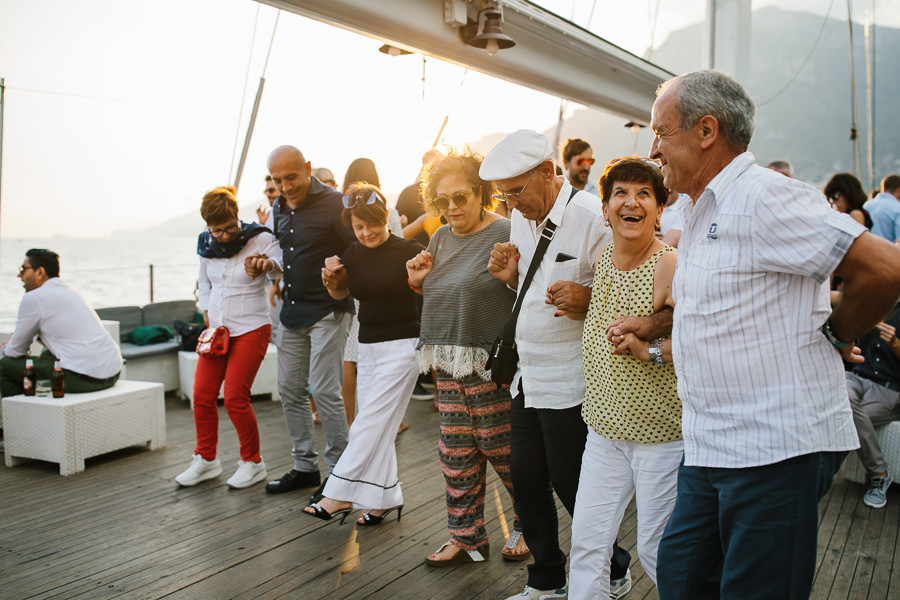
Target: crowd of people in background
<point x="693" y="331"/>
<point x="704" y="382"/>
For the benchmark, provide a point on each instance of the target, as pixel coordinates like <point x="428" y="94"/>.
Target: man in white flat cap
<point x="548" y="433"/>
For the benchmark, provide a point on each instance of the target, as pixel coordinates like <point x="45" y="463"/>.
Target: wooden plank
<point x="123" y="529"/>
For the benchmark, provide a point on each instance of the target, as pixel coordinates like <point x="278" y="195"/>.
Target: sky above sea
<point x="120" y="114"/>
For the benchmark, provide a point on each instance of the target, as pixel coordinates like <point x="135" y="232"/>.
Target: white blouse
<point x="228" y="293"/>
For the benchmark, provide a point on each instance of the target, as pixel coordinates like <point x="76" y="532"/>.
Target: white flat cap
<point x="517" y="153"/>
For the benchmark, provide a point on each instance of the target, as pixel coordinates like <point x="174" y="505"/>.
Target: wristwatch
<point x="826" y="329"/>
<point x="656" y="352"/>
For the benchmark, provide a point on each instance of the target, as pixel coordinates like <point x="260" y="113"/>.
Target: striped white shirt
<point x="758" y="380"/>
<point x="550" y="365"/>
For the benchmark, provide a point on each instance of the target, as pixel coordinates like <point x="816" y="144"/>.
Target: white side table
<point x="78" y="426"/>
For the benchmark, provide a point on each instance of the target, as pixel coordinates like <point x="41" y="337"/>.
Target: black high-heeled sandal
<point x="370" y="520"/>
<point x="321" y="513"/>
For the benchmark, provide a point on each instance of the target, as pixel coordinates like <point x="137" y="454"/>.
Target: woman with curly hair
<point x="464" y="307"/>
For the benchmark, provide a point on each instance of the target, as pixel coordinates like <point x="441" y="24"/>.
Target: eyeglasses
<point x="24" y="268"/>
<point x="352" y="201"/>
<point x="834" y="197"/>
<point x="459" y="199"/>
<point x="515" y="196"/>
<point x="582" y="161"/>
<point x="216" y="232"/>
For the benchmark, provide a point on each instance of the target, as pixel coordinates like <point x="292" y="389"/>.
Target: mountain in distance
<point x="806" y="123"/>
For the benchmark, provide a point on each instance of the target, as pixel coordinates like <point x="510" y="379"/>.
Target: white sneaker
<point x="247" y="474"/>
<point x="619" y="587"/>
<point x="530" y="593"/>
<point x="200" y="470"/>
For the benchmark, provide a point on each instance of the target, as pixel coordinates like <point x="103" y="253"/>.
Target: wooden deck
<point x="123" y="529"/>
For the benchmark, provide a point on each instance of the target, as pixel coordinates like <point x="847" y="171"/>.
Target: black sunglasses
<point x="460" y="199"/>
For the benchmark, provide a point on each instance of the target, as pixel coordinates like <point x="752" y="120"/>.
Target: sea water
<point x="111" y="271"/>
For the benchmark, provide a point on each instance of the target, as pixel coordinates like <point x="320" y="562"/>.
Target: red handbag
<point x="213" y="342"/>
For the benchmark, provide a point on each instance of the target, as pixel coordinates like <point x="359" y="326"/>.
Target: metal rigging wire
<point x="806" y="60"/>
<point x="854" y="126"/>
<point x="237" y="130"/>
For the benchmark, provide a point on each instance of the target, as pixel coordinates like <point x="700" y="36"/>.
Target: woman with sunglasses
<point x="631" y="405"/>
<point x="464" y="307"/>
<point x="373" y="270"/>
<point x="846" y="194"/>
<point x="229" y="297"/>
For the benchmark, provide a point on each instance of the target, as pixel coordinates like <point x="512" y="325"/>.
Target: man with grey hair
<point x="547" y="434"/>
<point x="757" y="350"/>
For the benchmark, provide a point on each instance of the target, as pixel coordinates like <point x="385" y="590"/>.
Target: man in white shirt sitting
<point x="68" y="327"/>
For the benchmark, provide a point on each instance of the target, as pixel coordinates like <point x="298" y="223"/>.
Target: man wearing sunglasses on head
<point x="577" y="159"/>
<point x="68" y="327"/>
<point x="314" y="325"/>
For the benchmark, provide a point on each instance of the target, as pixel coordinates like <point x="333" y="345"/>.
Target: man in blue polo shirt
<point x="314" y="325"/>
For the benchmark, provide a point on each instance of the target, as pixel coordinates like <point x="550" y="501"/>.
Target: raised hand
<point x="504" y="264"/>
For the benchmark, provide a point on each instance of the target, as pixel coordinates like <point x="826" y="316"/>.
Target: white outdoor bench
<point x="889" y="440"/>
<point x="266" y="381"/>
<point x="78" y="426"/>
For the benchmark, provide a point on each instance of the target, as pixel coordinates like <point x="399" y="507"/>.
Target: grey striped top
<point x="464" y="306"/>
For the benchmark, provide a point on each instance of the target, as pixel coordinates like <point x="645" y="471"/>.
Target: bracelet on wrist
<point x="655" y="351"/>
<point x="829" y="334"/>
<point x="412" y="287"/>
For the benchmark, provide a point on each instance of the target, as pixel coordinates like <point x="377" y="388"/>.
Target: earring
<point x="482" y="213"/>
<point x="607" y="222"/>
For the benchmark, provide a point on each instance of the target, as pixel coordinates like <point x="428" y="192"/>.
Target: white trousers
<point x="611" y="473"/>
<point x="366" y="473"/>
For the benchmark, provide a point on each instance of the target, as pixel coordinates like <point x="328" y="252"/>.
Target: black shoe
<point x="293" y="480"/>
<point x="420" y="393"/>
<point x="319" y="493"/>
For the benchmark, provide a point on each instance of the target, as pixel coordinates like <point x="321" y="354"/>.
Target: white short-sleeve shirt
<point x="550" y="365"/>
<point x="758" y="380"/>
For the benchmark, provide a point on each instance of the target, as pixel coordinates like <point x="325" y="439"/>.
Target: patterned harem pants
<point x="475" y="428"/>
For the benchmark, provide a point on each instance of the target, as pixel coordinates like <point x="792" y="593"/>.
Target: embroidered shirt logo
<point x="711" y="234"/>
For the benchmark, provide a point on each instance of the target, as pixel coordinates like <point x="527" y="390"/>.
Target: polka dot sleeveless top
<point x="626" y="399"/>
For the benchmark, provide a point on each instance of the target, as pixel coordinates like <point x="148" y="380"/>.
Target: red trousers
<point x="238" y="370"/>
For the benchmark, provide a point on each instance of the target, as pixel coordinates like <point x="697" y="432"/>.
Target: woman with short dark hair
<point x="373" y="270"/>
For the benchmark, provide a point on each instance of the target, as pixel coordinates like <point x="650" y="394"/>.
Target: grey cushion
<point x="128" y="317"/>
<point x="163" y="313"/>
<point x="132" y="351"/>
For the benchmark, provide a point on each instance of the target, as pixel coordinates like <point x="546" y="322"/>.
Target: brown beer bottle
<point x="58" y="381"/>
<point x="30" y="380"/>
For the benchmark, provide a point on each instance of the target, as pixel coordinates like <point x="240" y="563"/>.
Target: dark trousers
<point x="546" y="454"/>
<point x="745" y="533"/>
<point x="12" y="375"/>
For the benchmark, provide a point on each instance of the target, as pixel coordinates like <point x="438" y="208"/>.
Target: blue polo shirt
<point x="308" y="235"/>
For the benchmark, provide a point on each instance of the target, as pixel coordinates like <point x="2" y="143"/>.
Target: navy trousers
<point x="747" y="533"/>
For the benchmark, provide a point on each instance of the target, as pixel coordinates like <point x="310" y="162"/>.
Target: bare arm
<point x="871" y="274"/>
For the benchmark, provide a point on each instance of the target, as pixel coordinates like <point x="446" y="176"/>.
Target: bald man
<point x="314" y="326"/>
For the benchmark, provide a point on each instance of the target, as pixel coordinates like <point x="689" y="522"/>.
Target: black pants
<point x="546" y="451"/>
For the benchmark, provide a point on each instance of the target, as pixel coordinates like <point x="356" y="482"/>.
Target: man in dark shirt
<point x="314" y="325"/>
<point x="874" y="389"/>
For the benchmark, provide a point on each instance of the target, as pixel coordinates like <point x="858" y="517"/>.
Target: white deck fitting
<point x="78" y="426"/>
<point x="266" y="381"/>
